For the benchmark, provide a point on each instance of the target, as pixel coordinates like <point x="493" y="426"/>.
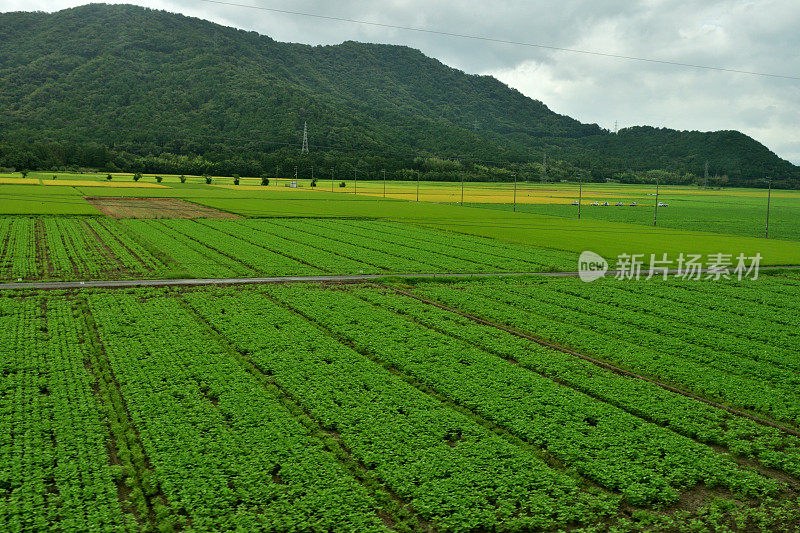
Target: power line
<point x="505" y="41"/>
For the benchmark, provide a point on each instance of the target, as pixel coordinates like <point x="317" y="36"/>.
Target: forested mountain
<point x="125" y="87"/>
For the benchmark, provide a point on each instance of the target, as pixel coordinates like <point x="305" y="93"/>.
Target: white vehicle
<point x="619" y="204"/>
<point x="662" y="204"/>
<point x="605" y="204"/>
<point x="595" y="203"/>
<point x="576" y="202"/>
<point x="633" y="204"/>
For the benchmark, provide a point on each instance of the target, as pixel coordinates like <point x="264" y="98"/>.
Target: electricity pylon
<point x="304" y="149"/>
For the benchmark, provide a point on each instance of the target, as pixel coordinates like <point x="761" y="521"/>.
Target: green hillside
<point x="129" y="88"/>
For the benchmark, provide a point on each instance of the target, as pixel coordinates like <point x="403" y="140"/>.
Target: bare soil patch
<point x="122" y="207"/>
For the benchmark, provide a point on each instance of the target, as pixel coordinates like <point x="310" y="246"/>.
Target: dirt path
<point x="344" y="278"/>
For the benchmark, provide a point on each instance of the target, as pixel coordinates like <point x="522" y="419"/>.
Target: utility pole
<point x="312" y="172"/>
<point x="769" y="197"/>
<point x="580" y="195"/>
<point x="295" y="174"/>
<point x="276" y="175"/>
<point x="655" y="214"/>
<point x="462" y="188"/>
<point x="418" y="185"/>
<point x="705" y="177"/>
<point x="333" y="178"/>
<point x="355" y="180"/>
<point x="384" y="183"/>
<point x="515" y="193"/>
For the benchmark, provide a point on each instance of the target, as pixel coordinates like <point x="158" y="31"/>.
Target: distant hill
<point x="126" y="87"/>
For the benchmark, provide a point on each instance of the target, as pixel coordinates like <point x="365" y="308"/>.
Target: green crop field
<point x="697" y="221"/>
<point x="363" y="408"/>
<point x="734" y="212"/>
<point x="296" y="288"/>
<point x="66" y="248"/>
<point x="487" y="402"/>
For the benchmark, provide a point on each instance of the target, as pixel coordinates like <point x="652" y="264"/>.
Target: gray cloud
<point x="747" y="35"/>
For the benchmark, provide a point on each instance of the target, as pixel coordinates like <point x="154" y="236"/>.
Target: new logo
<point x="591" y="266"/>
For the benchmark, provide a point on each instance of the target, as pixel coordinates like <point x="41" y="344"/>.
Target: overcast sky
<point x="762" y="36"/>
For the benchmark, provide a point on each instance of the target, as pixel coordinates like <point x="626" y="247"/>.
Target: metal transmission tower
<point x="304" y="149"/>
<point x="615" y="127"/>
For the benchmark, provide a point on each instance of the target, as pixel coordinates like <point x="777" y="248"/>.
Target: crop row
<point x="687" y="416"/>
<point x="54" y="469"/>
<point x="502" y="256"/>
<point x="226" y="453"/>
<point x="716" y="328"/>
<point x="277" y="239"/>
<point x="721" y="377"/>
<point x="72" y="247"/>
<point x="376" y="247"/>
<point x="683" y="336"/>
<point x="5" y="240"/>
<point x="18" y="248"/>
<point x="454" y="472"/>
<point x="66" y="248"/>
<point x="382" y="255"/>
<point x="94" y="248"/>
<point x="62" y="256"/>
<point x="789" y="278"/>
<point x="377" y="261"/>
<point x="762" y="322"/>
<point x="186" y="255"/>
<point x="645" y="462"/>
<point x="132" y="255"/>
<point x="258" y="258"/>
<point x="442" y="257"/>
<point x="649" y="329"/>
<point x="286" y="246"/>
<point x="438" y="258"/>
<point x="773" y="291"/>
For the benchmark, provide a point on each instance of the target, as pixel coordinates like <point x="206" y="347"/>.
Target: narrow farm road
<point x="344" y="278"/>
